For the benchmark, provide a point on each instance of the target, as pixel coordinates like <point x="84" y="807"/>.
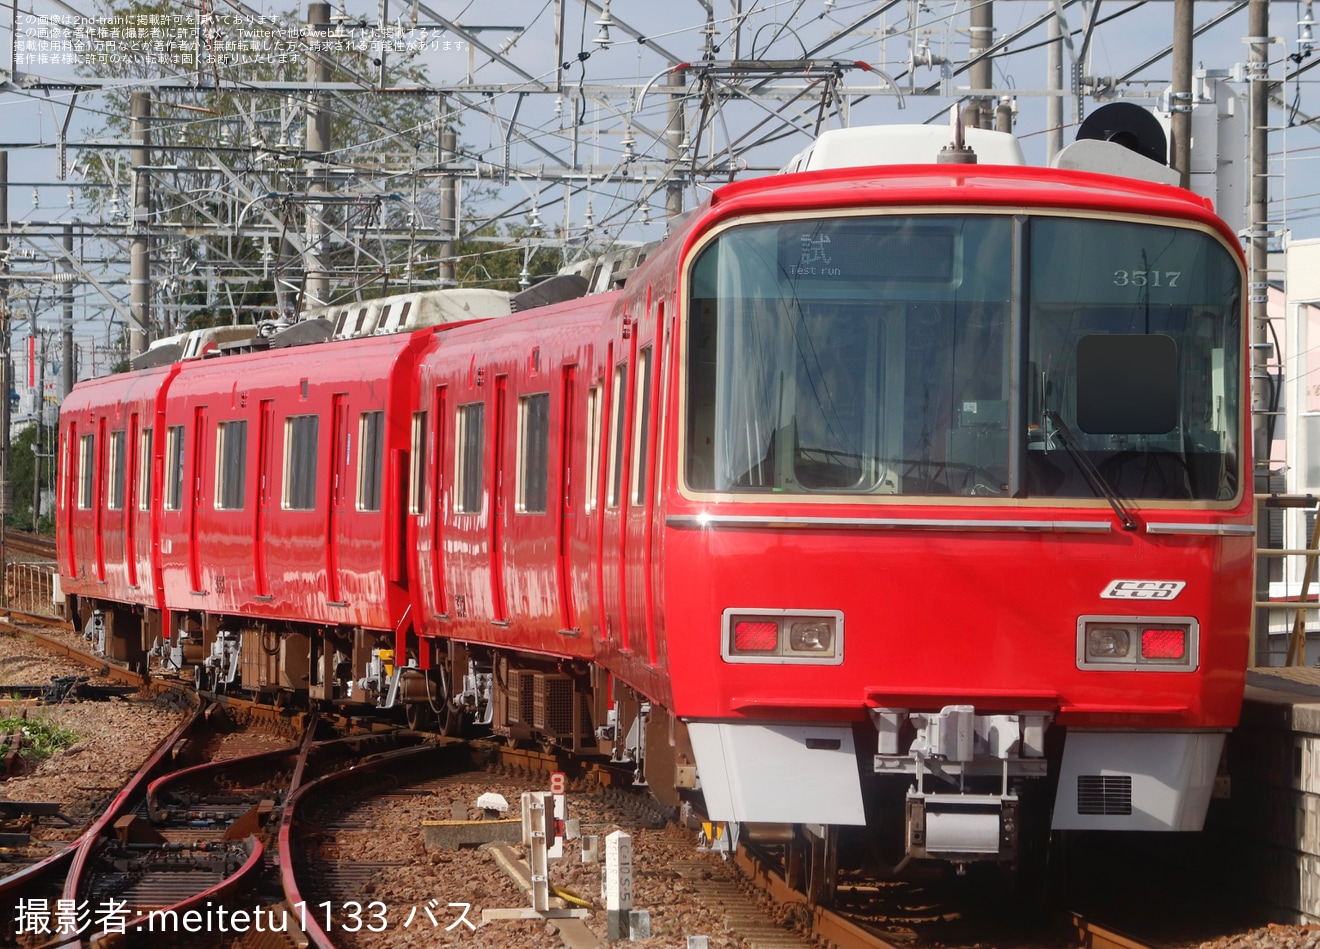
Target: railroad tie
<point x="13" y="745"/>
<point x="742" y="914"/>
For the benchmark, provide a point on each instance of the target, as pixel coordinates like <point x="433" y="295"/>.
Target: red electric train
<point x="911" y="497"/>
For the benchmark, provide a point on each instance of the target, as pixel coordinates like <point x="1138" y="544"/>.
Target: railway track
<point x="195" y="837"/>
<point x="249" y="832"/>
<point x="24" y="545"/>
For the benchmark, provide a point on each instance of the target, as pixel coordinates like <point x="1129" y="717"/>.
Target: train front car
<point x="960" y="538"/>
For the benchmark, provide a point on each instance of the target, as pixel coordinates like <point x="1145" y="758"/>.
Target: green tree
<point x="23" y="452"/>
<point x="237" y="153"/>
<point x="498" y="261"/>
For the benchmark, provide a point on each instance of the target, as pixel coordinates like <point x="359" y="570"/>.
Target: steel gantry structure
<point x="262" y="164"/>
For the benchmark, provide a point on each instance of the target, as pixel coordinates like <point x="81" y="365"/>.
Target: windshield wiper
<point x="1091" y="473"/>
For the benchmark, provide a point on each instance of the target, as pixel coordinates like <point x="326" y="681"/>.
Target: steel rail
<point x="16" y="883"/>
<point x="826" y="925"/>
<point x="61" y="648"/>
<point x="252" y="867"/>
<point x="287" y="856"/>
<point x="121" y="801"/>
<point x="1093" y="936"/>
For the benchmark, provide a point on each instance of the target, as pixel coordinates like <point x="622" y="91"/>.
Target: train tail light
<point x="1164" y="644"/>
<point x="1138" y="643"/>
<point x="755" y="636"/>
<point x="783" y="636"/>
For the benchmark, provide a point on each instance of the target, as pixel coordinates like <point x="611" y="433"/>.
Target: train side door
<point x="499" y="505"/>
<point x="339" y="479"/>
<point x="564" y="518"/>
<point x="434" y="473"/>
<point x="143" y="506"/>
<point x="614" y="535"/>
<point x="639" y="499"/>
<point x="265" y="450"/>
<point x="130" y="499"/>
<point x="71" y="475"/>
<point x="98" y="495"/>
<point x="195" y="508"/>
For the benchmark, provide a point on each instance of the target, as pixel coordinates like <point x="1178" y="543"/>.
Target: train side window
<point x="371" y="434"/>
<point x="174" y="464"/>
<point x="115" y="476"/>
<point x="86" y="471"/>
<point x="616" y="436"/>
<point x="467" y="467"/>
<point x="417" y="476"/>
<point x="641" y="426"/>
<point x="230" y="464"/>
<point x="300" y="435"/>
<point x="533" y="452"/>
<point x="593" y="445"/>
<point x="144" y="470"/>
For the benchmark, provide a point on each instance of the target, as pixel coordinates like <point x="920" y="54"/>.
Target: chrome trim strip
<point x="1200" y="530"/>
<point x="703" y="521"/>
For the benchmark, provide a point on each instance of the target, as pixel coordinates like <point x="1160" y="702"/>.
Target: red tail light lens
<point x="755" y="636"/>
<point x="1167" y="644"/>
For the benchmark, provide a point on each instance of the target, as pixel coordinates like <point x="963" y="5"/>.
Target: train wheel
<point x="450" y="720"/>
<point x="794" y="860"/>
<point x="419" y="716"/>
<point x="822" y="866"/>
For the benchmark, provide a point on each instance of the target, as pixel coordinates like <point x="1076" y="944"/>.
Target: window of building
<point x="371" y="449"/>
<point x="468" y="470"/>
<point x="533" y="452"/>
<point x="300" y="435"/>
<point x="230" y="464"/>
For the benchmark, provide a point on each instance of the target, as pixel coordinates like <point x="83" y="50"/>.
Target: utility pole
<point x="1054" y="82"/>
<point x="1180" y="101"/>
<point x="317" y="286"/>
<point x="675" y="133"/>
<point x="66" y="324"/>
<point x="1258" y="38"/>
<point x="139" y="257"/>
<point x="448" y="197"/>
<point x="39" y="403"/>
<point x="6" y="371"/>
<point x="981" y="74"/>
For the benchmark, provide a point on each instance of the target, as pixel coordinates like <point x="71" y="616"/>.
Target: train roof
<point x="946" y="185"/>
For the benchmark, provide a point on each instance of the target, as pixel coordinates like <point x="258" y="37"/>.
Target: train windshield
<point x="964" y="355"/>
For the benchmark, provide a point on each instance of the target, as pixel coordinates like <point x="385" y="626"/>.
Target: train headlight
<point x="1138" y="643"/>
<point x="1107" y="642"/>
<point x="811" y="636"/>
<point x="782" y="636"/>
